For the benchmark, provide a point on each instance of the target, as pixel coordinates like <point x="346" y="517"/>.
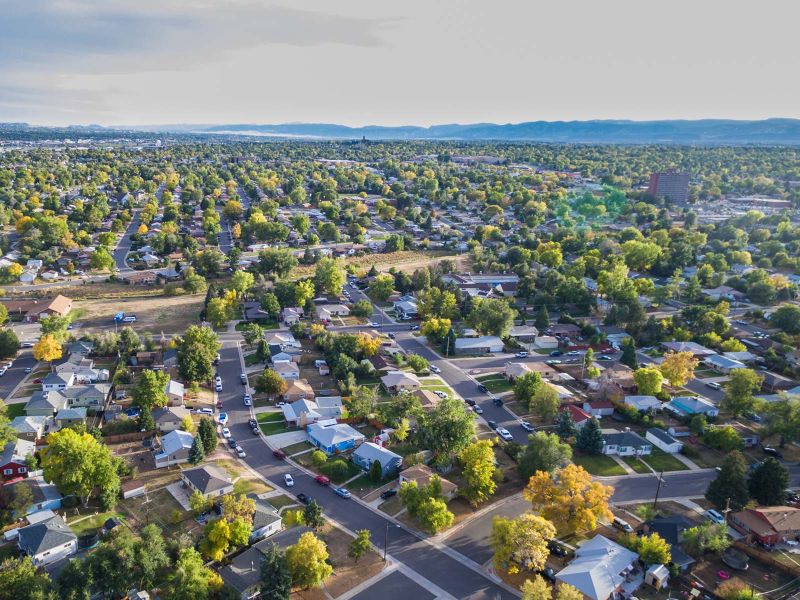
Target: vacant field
<point x="161" y="508"/>
<point x="407" y="260"/>
<point x="170" y="314"/>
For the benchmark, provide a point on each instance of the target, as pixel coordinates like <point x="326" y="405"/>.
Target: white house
<point x="327" y="311"/>
<point x="284" y="339"/>
<point x="723" y="364"/>
<point x="287" y="369"/>
<point x="396" y="381"/>
<point x="661" y="439"/>
<point x="643" y="403"/>
<point x="48" y="540"/>
<point x="174" y="391"/>
<point x="625" y="443"/>
<point x="599" y="569"/>
<point x="545" y="342"/>
<point x="485" y="344"/>
<point x="175" y="448"/>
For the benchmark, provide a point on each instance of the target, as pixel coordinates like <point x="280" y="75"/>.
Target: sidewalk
<point x="623" y="464"/>
<point x="693" y="466"/>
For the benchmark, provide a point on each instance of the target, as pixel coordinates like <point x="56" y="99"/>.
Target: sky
<point x="382" y="62"/>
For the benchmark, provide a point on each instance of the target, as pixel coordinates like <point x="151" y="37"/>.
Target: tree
<point x="678" y="368"/>
<point x="768" y="482"/>
<point x="545" y="402"/>
<point x="74" y="582"/>
<point x="55" y="325"/>
<point x="197" y="349"/>
<point x="706" y="537"/>
<point x="360" y="545"/>
<point x="9" y="343"/>
<point x="312" y="515"/>
<point x="783" y="419"/>
<point x="433" y="515"/>
<point x="648" y="380"/>
<point x="375" y="471"/>
<point x="187" y="424"/>
<point x="590" y="438"/>
<point x="521" y="543"/>
<point x="536" y="589"/>
<point x="544" y="452"/>
<point x="252" y="333"/>
<point x="362" y="402"/>
<point x="565" y="426"/>
<point x="199" y="503"/>
<point x="330" y="275"/>
<point x="208" y="433"/>
<point x="197" y="452"/>
<point x="241" y="282"/>
<point x="542" y="320"/>
<point x="276" y="581"/>
<point x="446" y="430"/>
<point x="723" y="438"/>
<point x="307" y="561"/>
<point x="238" y="506"/>
<point x="435" y="329"/>
<point x="787" y="318"/>
<point x="78" y="464"/>
<point x="735" y="589"/>
<point x="434" y="303"/>
<point x="216" y="539"/>
<point x="652" y="549"/>
<point x="190" y="580"/>
<point x="569" y="498"/>
<point x="101" y="259"/>
<point x="270" y="383"/>
<point x="491" y="316"/>
<point x="3" y="314"/>
<point x="145" y="421"/>
<point x="381" y="287"/>
<point x="477" y="461"/>
<point x="526" y="385"/>
<point x="150" y="556"/>
<point x="362" y="308"/>
<point x="218" y="312"/>
<point x="416" y="362"/>
<point x="150" y="389"/>
<point x="318" y="458"/>
<point x="47" y="349"/>
<point x="738" y="397"/>
<point x="629" y="354"/>
<point x="730" y="484"/>
<point x="19" y="578"/>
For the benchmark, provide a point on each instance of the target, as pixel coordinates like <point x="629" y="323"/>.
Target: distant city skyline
<point x="360" y="62"/>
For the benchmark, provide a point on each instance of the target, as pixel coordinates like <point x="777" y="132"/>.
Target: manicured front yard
<point x="272" y="423"/>
<point x="495" y="383"/>
<point x="600" y="465"/>
<point x="264" y="323"/>
<point x="91" y="524"/>
<point x="634" y="463"/>
<point x="352" y="471"/>
<point x="661" y="461"/>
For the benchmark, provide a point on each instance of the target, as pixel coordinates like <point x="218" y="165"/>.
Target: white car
<point x="504" y="433"/>
<point x="478" y="410"/>
<point x="287" y="479"/>
<point x="226" y="433"/>
<point x="434" y="369"/>
<point x="526" y="426"/>
<point x="374" y="324"/>
<point x="240" y="452"/>
<point x="522" y="354"/>
<point x="218" y="387"/>
<point x="248" y="401"/>
<point x="441" y="395"/>
<point x="573" y="353"/>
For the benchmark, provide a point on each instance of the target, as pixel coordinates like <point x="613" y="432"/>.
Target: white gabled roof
<point x="596" y="568"/>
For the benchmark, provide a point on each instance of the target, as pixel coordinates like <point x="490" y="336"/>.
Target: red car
<point x="219" y="403"/>
<point x="38" y="380"/>
<point x="322" y="480"/>
<point x="279" y="454"/>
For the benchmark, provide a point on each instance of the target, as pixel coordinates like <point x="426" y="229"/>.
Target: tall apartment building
<point x="672" y="186"/>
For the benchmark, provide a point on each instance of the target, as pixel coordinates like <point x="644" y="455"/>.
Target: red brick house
<point x="12" y="459"/>
<point x="767" y="524"/>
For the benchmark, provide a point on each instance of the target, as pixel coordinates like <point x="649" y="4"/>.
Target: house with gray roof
<point x="175" y="448"/>
<point x="57" y="381"/>
<point x="170" y="418"/>
<point x="29" y="428"/>
<point x="70" y="416"/>
<point x="304" y="412"/>
<point x="174" y="391"/>
<point x="599" y="569"/>
<point x="47" y="541"/>
<point x="663" y="440"/>
<point x="209" y="480"/>
<point x="45" y="404"/>
<point x="266" y="520"/>
<point x="332" y="437"/>
<point x="92" y="395"/>
<point x="368" y="453"/>
<point x="625" y="443"/>
<point x="485" y="344"/>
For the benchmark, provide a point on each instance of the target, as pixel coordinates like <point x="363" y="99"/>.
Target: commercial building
<point x="670" y="185"/>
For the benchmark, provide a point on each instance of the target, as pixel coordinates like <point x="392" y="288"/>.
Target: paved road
<point x="696" y="386"/>
<point x="16" y="374"/>
<point x="124" y="246"/>
<point x="442" y="570"/>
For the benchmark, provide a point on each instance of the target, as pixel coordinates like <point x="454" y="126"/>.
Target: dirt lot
<point x="153" y="313"/>
<point x="407" y="260"/>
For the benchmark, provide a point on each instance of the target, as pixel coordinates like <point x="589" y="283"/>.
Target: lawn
<point x="15" y="410"/>
<point x="272" y="423"/>
<point x="91" y="524"/>
<point x="600" y="465"/>
<point x="661" y="461"/>
<point x="252" y="359"/>
<point x="280" y="501"/>
<point x="495" y="383"/>
<point x="635" y="464"/>
<point x="295" y="448"/>
<point x="352" y="471"/>
<point x="364" y="484"/>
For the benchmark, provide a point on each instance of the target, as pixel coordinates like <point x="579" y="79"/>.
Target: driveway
<point x="281" y="440"/>
<point x="178" y="492"/>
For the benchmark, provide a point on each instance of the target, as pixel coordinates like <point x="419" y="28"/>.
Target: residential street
<point x="16" y="374"/>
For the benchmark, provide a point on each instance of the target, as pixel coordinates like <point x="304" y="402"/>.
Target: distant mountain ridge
<point x="706" y="131"/>
<point x="700" y="132"/>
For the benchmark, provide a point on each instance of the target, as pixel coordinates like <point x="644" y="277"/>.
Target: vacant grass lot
<point x="600" y="465"/>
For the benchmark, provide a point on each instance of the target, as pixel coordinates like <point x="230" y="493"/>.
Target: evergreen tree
<point x="312" y="515"/>
<point x="729" y="489"/>
<point x="768" y="483"/>
<point x="565" y="426"/>
<point x="276" y="582"/>
<point x="449" y="343"/>
<point x="629" y="354"/>
<point x="146" y="422"/>
<point x="590" y="438"/>
<point x="376" y="471"/>
<point x="197" y="452"/>
<point x="208" y="434"/>
<point x="542" y="320"/>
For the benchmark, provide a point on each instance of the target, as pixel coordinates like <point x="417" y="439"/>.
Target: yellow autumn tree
<point x="367" y="344"/>
<point x="678" y="368"/>
<point x="47" y="349"/>
<point x="142" y="229"/>
<point x="569" y="499"/>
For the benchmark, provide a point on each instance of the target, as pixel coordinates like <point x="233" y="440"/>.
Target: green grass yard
<point x="661" y="461"/>
<point x="496" y="383"/>
<point x="635" y="464"/>
<point x="600" y="465"/>
<point x="272" y="423"/>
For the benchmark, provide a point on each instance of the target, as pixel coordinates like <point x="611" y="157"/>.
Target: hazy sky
<point x="386" y="62"/>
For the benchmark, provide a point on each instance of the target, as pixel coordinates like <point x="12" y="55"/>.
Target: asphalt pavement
<point x="437" y="566"/>
<point x="16" y="373"/>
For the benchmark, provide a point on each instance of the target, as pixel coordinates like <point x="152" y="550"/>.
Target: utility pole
<point x="658" y="489"/>
<point x="385" y="540"/>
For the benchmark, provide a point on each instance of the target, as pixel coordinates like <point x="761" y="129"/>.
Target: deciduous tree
<point x="521" y="543"/>
<point x="544" y="452"/>
<point x="730" y="484"/>
<point x="477" y="461"/>
<point x="307" y="562"/>
<point x="678" y="368"/>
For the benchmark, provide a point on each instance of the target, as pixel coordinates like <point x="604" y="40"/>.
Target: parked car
<point x="505" y="434"/>
<point x="714" y="516"/>
<point x="322" y="480"/>
<point x="435" y="369"/>
<point x="552" y="361"/>
<point x="713" y="385"/>
<point x="604" y="357"/>
<point x="252" y="422"/>
<point x="526" y="426"/>
<point x="218" y="404"/>
<point x="441" y="394"/>
<point x="386" y="494"/>
<point x="549" y="574"/>
<point x="573" y="353"/>
<point x="556" y="353"/>
<point x="240" y="452"/>
<point x="470" y="401"/>
<point x="248" y="400"/>
<point x="772" y="452"/>
<point x="483" y="388"/>
<point x="304" y="499"/>
<point x="279" y="454"/>
<point x="342" y="492"/>
<point x="556" y="548"/>
<point x="28" y="370"/>
<point x="492" y="424"/>
<point x="129" y="319"/>
<point x="373" y="324"/>
<point x="218" y="387"/>
<point x="413" y="328"/>
<point x="288" y="481"/>
<point x="222" y="418"/>
<point x="232" y="443"/>
<point x="205" y="411"/>
<point x="226" y="433"/>
<point x="478" y="410"/>
<point x="243" y="378"/>
<point x="497" y="402"/>
<point x="622" y="525"/>
<point x="522" y="354"/>
<point x="217" y="358"/>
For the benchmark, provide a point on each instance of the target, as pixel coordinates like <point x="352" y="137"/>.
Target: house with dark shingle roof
<point x="625" y="443"/>
<point x="47" y="541"/>
<point x="209" y="480"/>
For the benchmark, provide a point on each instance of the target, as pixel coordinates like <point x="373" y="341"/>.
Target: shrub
<point x="337" y="470"/>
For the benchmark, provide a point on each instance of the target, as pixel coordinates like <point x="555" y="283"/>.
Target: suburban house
<point x="545" y="342"/>
<point x="691" y="405"/>
<point x="291" y="315"/>
<point x="767" y="524"/>
<point x="80" y="348"/>
<point x="70" y="416"/>
<point x="697" y="350"/>
<point x="332" y="437"/>
<point x="299" y="389"/>
<point x="174" y="391"/>
<point x="599" y="408"/>
<point x="48" y="540"/>
<point x="44" y="404"/>
<point x="643" y="403"/>
<point x="209" y="480"/>
<point x="92" y="395"/>
<point x="287" y="369"/>
<point x="266" y="520"/>
<point x="524" y="334"/>
<point x="485" y="344"/>
<point x="625" y="443"/>
<point x="406" y="309"/>
<point x="45" y="496"/>
<point x="398" y="381"/>
<point x="367" y="453"/>
<point x="599" y="569"/>
<point x="515" y="370"/>
<point x="326" y="312"/>
<point x="29" y="428"/>
<point x="662" y="440"/>
<point x="723" y="364"/>
<point x="56" y="382"/>
<point x="579" y="416"/>
<point x="13" y="459"/>
<point x="421" y="474"/>
<point x="671" y="530"/>
<point x="175" y="447"/>
<point x="284" y="339"/>
<point x="427" y="399"/>
<point x="170" y="418"/>
<point x="304" y="412"/>
<point x="33" y="310"/>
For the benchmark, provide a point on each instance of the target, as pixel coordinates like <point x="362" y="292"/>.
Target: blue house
<point x="367" y="453"/>
<point x="691" y="405"/>
<point x="332" y="437"/>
